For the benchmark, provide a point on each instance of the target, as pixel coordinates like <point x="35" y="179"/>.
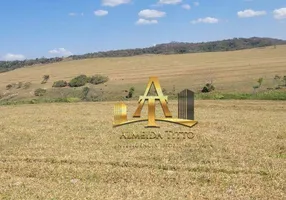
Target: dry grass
<point x="71" y="151"/>
<point x="231" y="71"/>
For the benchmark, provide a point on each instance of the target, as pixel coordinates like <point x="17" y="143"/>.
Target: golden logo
<point x="185" y="108"/>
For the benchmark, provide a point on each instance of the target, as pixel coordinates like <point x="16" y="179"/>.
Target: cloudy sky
<point x="50" y="28"/>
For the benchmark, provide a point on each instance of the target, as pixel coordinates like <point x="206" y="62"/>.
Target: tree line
<point x="167" y="48"/>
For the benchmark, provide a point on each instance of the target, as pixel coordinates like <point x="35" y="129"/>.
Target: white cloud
<point x="280" y="13"/>
<point x="11" y="57"/>
<point x="75" y="14"/>
<point x="146" y="21"/>
<point x="113" y="3"/>
<point x="100" y="12"/>
<point x="196" y="3"/>
<point x="207" y="20"/>
<point x="250" y="13"/>
<point x="186" y="6"/>
<point x="151" y="13"/>
<point x="169" y="1"/>
<point x="61" y="51"/>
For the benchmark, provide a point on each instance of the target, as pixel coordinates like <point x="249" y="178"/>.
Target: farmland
<point x="71" y="151"/>
<point x="235" y="71"/>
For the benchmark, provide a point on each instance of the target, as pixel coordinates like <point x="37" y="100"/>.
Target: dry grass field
<point x="235" y="71"/>
<point x="71" y="151"/>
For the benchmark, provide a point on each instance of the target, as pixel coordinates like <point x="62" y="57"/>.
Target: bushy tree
<point x="60" y="83"/>
<point x="208" y="88"/>
<point x="98" y="79"/>
<point x="45" y="79"/>
<point x="39" y="92"/>
<point x="78" y="81"/>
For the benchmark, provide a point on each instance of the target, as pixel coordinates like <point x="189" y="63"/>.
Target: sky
<point x="55" y="28"/>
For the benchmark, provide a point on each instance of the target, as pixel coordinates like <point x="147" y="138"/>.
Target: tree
<point x="130" y="93"/>
<point x="255" y="87"/>
<point x="78" y="81"/>
<point x="208" y="88"/>
<point x="46" y="78"/>
<point x="97" y="79"/>
<point x="260" y="80"/>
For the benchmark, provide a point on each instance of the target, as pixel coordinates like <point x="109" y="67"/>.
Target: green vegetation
<point x="277" y="80"/>
<point x="18" y="85"/>
<point x="45" y="79"/>
<point x="130" y="93"/>
<point x="78" y="81"/>
<point x="169" y="48"/>
<point x="184" y="47"/>
<point x="85" y="92"/>
<point x="81" y="80"/>
<point x="39" y="92"/>
<point x="98" y="79"/>
<point x="268" y="95"/>
<point x="208" y="88"/>
<point x="11" y="65"/>
<point x="255" y="87"/>
<point x="60" y="83"/>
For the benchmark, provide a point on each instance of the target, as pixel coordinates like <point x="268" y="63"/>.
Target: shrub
<point x="39" y="92"/>
<point x="85" y="92"/>
<point x="98" y="79"/>
<point x="78" y="81"/>
<point x="45" y="79"/>
<point x="60" y="83"/>
<point x="9" y="86"/>
<point x="27" y="85"/>
<point x="130" y="93"/>
<point x="208" y="88"/>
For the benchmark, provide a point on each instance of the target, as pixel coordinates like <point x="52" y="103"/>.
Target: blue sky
<point x="50" y="28"/>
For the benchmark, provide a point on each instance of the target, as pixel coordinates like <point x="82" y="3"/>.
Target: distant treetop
<point x="167" y="48"/>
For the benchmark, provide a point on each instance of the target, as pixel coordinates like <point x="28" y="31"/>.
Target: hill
<point x="168" y="48"/>
<point x="233" y="71"/>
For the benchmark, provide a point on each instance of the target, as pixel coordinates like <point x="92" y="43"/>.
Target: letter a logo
<point x="185" y="108"/>
<point x="151" y="102"/>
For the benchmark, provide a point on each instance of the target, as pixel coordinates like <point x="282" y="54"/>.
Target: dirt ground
<point x="71" y="151"/>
